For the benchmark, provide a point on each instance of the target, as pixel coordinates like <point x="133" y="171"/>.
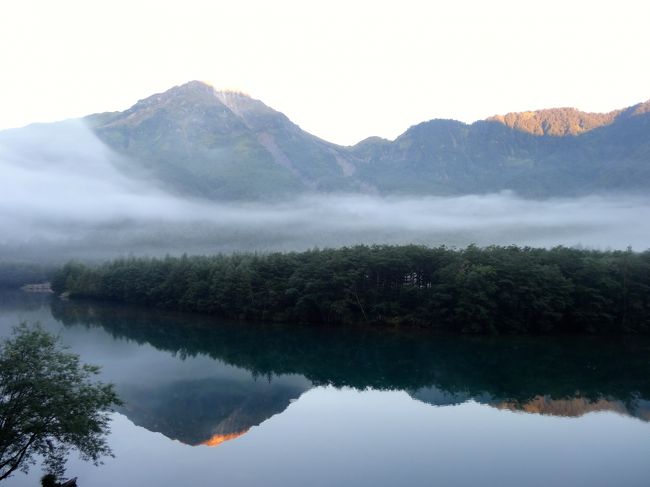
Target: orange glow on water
<point x="217" y="440"/>
<point x="574" y="407"/>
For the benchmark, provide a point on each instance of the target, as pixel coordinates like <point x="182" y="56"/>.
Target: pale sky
<point x="342" y="70"/>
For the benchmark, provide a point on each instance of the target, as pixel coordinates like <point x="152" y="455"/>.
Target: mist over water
<point x="64" y="194"/>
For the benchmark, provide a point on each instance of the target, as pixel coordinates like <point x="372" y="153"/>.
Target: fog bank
<point x="66" y="195"/>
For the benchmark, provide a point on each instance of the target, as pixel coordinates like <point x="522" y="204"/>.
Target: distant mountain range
<point x="226" y="145"/>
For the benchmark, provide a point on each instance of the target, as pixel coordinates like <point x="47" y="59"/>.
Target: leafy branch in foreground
<point x="50" y="404"/>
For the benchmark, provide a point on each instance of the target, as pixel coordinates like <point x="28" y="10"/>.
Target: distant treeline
<point x="473" y="290"/>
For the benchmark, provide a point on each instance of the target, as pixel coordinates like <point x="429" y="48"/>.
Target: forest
<point x="472" y="290"/>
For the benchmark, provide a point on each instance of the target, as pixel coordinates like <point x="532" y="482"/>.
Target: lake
<point x="213" y="403"/>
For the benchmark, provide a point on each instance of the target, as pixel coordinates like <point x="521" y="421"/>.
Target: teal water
<point x="213" y="403"/>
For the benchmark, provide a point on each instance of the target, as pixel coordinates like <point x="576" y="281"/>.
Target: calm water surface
<point x="212" y="403"/>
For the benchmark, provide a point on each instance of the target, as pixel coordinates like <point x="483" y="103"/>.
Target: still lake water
<point x="212" y="403"/>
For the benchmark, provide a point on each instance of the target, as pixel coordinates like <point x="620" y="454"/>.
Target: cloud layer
<point x="63" y="193"/>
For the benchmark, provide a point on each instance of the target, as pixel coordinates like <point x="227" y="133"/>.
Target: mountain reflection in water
<point x="217" y="440"/>
<point x="562" y="376"/>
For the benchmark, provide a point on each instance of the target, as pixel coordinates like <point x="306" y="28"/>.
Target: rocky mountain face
<point x="535" y="155"/>
<point x="565" y="121"/>
<point x="221" y="144"/>
<point x="200" y="142"/>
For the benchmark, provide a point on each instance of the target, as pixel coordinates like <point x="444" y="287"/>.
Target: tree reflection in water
<point x="565" y="376"/>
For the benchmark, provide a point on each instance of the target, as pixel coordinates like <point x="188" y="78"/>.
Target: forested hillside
<point x="474" y="290"/>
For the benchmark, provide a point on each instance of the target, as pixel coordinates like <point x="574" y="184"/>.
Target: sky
<point x="342" y="70"/>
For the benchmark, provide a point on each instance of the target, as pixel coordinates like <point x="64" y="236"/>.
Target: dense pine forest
<point x="472" y="290"/>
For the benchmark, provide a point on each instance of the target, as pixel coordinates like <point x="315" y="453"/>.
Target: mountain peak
<point x="556" y="121"/>
<point x="226" y="96"/>
<point x="198" y="95"/>
<point x="195" y="85"/>
<point x="192" y="93"/>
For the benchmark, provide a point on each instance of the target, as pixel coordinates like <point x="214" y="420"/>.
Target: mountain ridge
<point x="558" y="121"/>
<point x="226" y="145"/>
<point x="566" y="120"/>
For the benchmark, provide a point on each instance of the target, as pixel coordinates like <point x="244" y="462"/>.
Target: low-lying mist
<point x="63" y="195"/>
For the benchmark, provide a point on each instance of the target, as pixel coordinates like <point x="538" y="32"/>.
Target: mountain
<point x="565" y="121"/>
<point x="201" y="142"/>
<point x="534" y="154"/>
<point x="222" y="144"/>
<point x="556" y="121"/>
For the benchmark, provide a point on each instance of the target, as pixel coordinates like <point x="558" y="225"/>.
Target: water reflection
<point x="370" y="408"/>
<point x="576" y="407"/>
<point x="207" y="411"/>
<point x="567" y="376"/>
